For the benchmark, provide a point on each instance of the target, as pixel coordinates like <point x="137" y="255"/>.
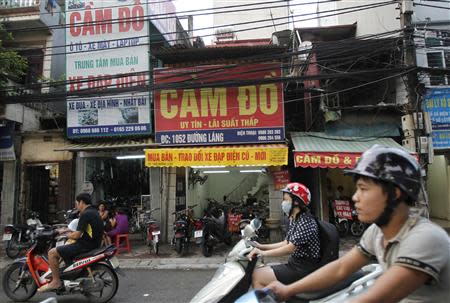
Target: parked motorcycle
<point x="152" y="230"/>
<point x="357" y="227"/>
<point x="344" y="291"/>
<point x="92" y="274"/>
<point x="18" y="236"/>
<point x="215" y="231"/>
<point x="182" y="229"/>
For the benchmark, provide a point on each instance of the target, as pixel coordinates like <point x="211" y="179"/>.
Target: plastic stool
<point x="127" y="246"/>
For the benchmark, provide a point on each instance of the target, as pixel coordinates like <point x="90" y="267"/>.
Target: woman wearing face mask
<point x="302" y="242"/>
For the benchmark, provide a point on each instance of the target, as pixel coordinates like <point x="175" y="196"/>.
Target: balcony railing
<point x="18" y="3"/>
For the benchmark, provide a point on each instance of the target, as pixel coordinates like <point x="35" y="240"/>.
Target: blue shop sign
<point x="437" y="103"/>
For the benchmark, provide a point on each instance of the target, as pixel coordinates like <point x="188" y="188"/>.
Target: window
<point x="436" y="59"/>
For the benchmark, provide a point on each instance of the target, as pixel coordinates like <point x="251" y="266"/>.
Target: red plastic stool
<point x="126" y="247"/>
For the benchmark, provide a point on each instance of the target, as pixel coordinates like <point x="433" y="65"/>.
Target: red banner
<point x="219" y="115"/>
<point x="343" y="209"/>
<point x="281" y="179"/>
<point x="326" y="160"/>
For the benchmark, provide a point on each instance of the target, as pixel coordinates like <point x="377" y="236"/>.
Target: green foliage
<point x="12" y="65"/>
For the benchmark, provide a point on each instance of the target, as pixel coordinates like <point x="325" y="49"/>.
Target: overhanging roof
<point x="109" y="145"/>
<point x="315" y="149"/>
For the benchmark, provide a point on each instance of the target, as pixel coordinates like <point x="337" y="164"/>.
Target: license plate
<point x="7" y="237"/>
<point x="198" y="233"/>
<point x="156" y="232"/>
<point x="114" y="262"/>
<point x="60" y="243"/>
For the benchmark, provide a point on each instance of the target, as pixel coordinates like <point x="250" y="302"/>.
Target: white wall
<point x="29" y="118"/>
<point x="438" y="188"/>
<point x="251" y="15"/>
<point x="421" y="13"/>
<point x="370" y="21"/>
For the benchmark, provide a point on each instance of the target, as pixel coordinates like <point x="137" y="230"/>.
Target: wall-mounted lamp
<point x="216" y="172"/>
<point x="130" y="157"/>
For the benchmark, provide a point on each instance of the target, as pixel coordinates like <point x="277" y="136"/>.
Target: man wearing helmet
<point x="414" y="253"/>
<point x="302" y="241"/>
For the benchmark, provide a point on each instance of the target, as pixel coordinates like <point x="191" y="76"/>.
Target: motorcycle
<point x="152" y="231"/>
<point x="182" y="227"/>
<point x="344" y="291"/>
<point x="18" y="236"/>
<point x="92" y="274"/>
<point x="215" y="231"/>
<point x="233" y="278"/>
<point x="357" y="227"/>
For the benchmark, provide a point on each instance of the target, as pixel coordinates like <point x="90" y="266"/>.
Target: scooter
<point x="92" y="274"/>
<point x="182" y="230"/>
<point x="214" y="231"/>
<point x="233" y="278"/>
<point x="152" y="230"/>
<point x="344" y="291"/>
<point x="18" y="236"/>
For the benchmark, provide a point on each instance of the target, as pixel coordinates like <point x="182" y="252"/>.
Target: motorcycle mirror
<point x="256" y="223"/>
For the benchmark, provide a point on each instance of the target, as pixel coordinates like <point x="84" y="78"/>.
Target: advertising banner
<point x="7" y="143"/>
<point x="326" y="160"/>
<point x="281" y="179"/>
<point x="213" y="156"/>
<point x="219" y="115"/>
<point x="437" y="103"/>
<point x="343" y="209"/>
<point x="107" y="47"/>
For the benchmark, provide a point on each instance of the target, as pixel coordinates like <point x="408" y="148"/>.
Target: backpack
<point x="329" y="242"/>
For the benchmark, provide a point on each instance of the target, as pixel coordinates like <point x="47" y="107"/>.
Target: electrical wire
<point x="341" y="11"/>
<point x="174" y="15"/>
<point x="330" y="55"/>
<point x="82" y="94"/>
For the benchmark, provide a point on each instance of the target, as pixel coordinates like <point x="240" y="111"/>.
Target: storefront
<point x="323" y="158"/>
<point x="219" y="143"/>
<point x="230" y="175"/>
<point x="46" y="176"/>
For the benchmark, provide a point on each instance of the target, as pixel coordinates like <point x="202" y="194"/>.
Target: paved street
<point x="147" y="286"/>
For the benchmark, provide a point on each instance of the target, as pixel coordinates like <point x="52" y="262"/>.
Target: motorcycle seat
<point x="328" y="291"/>
<point x="93" y="252"/>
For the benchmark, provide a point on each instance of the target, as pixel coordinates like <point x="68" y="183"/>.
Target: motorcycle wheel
<point x="207" y="247"/>
<point x="227" y="240"/>
<point x="13" y="248"/>
<point x="26" y="288"/>
<point x="357" y="228"/>
<point x="110" y="281"/>
<point x="155" y="247"/>
<point x="180" y="247"/>
<point x="132" y="229"/>
<point x="342" y="228"/>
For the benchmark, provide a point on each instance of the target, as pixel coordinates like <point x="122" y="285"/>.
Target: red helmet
<point x="299" y="190"/>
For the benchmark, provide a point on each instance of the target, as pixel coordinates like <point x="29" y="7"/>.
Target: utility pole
<point x="414" y="105"/>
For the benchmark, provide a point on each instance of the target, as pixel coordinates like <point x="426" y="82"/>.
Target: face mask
<point x="286" y="206"/>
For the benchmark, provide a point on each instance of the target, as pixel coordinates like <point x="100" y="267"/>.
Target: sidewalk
<point x="141" y="258"/>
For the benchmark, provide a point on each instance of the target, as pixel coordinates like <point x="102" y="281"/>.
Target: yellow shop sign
<point x="258" y="155"/>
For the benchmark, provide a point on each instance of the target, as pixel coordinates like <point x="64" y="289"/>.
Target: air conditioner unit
<point x="409" y="144"/>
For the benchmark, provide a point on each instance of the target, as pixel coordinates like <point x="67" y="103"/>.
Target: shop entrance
<point x="43" y="191"/>
<point x="243" y="192"/>
<point x="122" y="180"/>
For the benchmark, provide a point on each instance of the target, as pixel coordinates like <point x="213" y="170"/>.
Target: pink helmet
<point x="299" y="190"/>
